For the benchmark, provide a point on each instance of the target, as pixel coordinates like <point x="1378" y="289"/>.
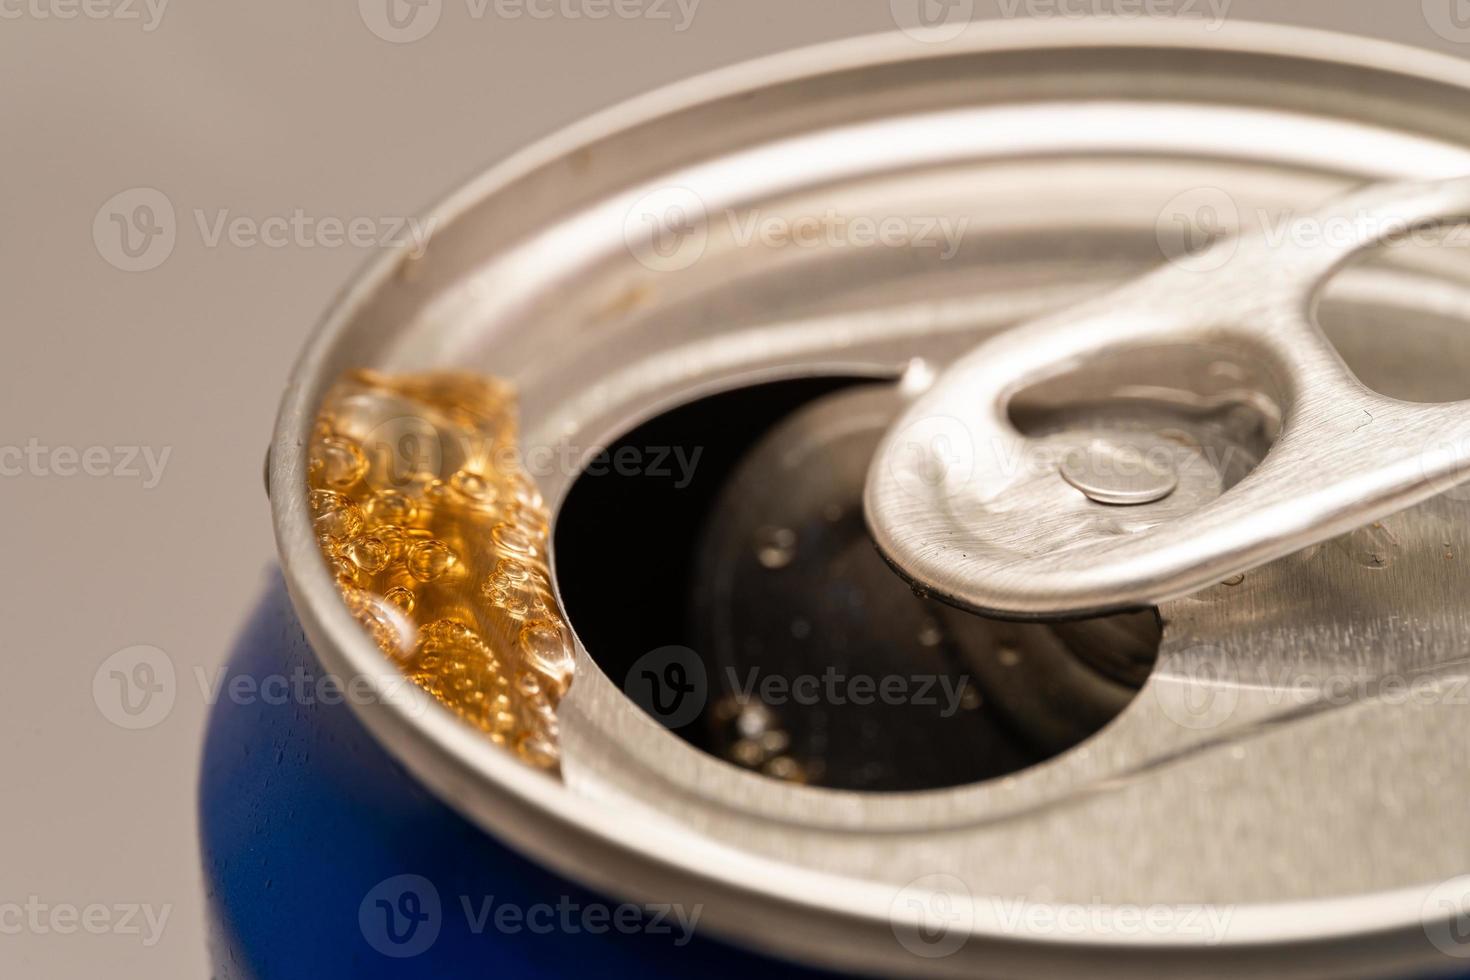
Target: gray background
<point x="255" y="109"/>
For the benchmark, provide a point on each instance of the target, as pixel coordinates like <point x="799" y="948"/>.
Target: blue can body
<point x="323" y="857"/>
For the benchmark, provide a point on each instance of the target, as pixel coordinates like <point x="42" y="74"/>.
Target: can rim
<point x="536" y="814"/>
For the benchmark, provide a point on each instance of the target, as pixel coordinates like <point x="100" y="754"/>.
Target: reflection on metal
<point x="965" y="519"/>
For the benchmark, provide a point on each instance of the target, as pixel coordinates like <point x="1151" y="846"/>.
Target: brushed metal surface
<point x="957" y="496"/>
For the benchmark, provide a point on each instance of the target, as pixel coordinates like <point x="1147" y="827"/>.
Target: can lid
<point x="655" y="255"/>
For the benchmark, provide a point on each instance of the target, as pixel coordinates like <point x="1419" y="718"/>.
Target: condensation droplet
<point x="547" y="649"/>
<point x="785" y="768"/>
<point x="527" y="684"/>
<point x="747" y="752"/>
<point x="775" y="547"/>
<point x="431" y="560"/>
<point x="1374" y="546"/>
<point x="344" y="571"/>
<point x="473" y="487"/>
<point x="387" y="627"/>
<point x="394" y="540"/>
<point x="510" y="570"/>
<point x="774" y="742"/>
<point x="401" y="598"/>
<point x="368" y="552"/>
<point x="337" y="462"/>
<point x="335" y="515"/>
<point x="391" y="507"/>
<point x="754" y="719"/>
<point x="510" y="538"/>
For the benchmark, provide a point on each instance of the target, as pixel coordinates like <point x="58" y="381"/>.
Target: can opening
<point x="819" y="663"/>
<point x="1396" y="314"/>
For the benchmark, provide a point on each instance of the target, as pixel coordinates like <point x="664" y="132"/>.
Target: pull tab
<point x="987" y="517"/>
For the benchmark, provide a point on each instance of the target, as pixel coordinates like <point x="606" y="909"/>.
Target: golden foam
<point x="438" y="541"/>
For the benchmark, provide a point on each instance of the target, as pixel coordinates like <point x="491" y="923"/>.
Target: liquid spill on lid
<point x="438" y="540"/>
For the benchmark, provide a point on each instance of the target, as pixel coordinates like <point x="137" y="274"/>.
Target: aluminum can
<point x="753" y="268"/>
